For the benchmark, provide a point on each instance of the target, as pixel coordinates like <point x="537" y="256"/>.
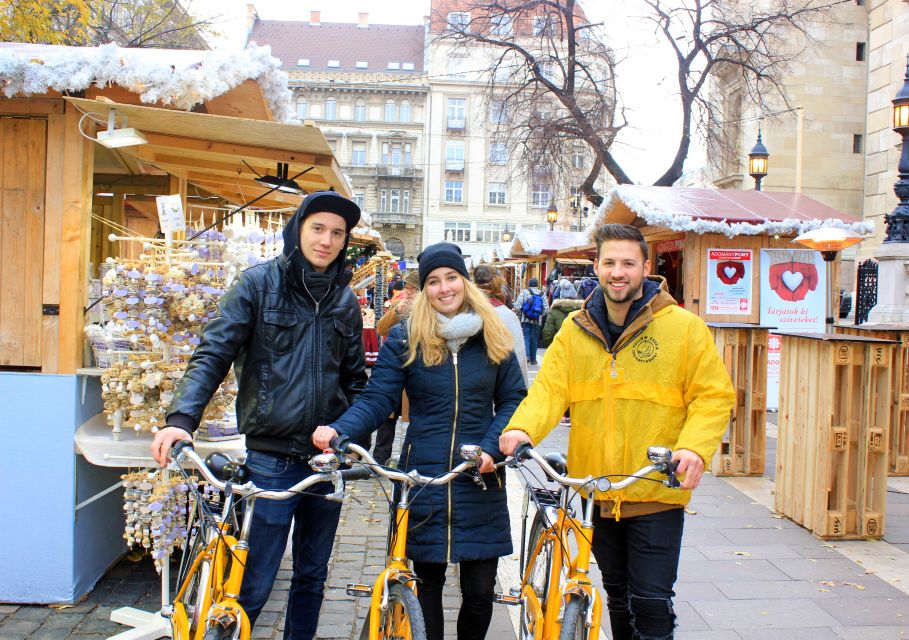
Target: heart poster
<point x="793" y="292"/>
<point x="729" y="281"/>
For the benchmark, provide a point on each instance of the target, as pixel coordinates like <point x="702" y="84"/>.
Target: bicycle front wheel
<point x="574" y="624"/>
<point x="404" y="618"/>
<point x="538" y="579"/>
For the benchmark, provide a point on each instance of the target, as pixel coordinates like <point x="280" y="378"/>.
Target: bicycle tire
<point x="217" y="632"/>
<point x="574" y="622"/>
<point x="403" y="609"/>
<point x="541" y="571"/>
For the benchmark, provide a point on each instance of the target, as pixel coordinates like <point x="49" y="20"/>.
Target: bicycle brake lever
<point x="478" y="478"/>
<point x="672" y="481"/>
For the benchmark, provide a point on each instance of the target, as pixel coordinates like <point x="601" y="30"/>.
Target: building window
<point x="394" y="200"/>
<point x="498" y="113"/>
<point x="458" y="21"/>
<point x="457" y="67"/>
<point x="331" y="109"/>
<point x="362" y="64"/>
<point x="303" y="62"/>
<point x="405" y="111"/>
<point x="358" y="154"/>
<point x="394" y="66"/>
<point x="489" y="232"/>
<point x="405" y="204"/>
<point x="498" y="153"/>
<point x="302" y="108"/>
<point x="360" y="110"/>
<point x="360" y="198"/>
<point x="391" y="111"/>
<point x="454" y="191"/>
<point x="501" y="25"/>
<point x="408" y="159"/>
<point x="457" y="232"/>
<point x="454" y="155"/>
<point x="334" y="64"/>
<point x="383" y="200"/>
<point x="391" y="154"/>
<point x="860" y="51"/>
<point x="407" y="66"/>
<point x="539" y="196"/>
<point x="456" y="111"/>
<point x="497" y="193"/>
<point x="578" y="156"/>
<point x="857" y="143"/>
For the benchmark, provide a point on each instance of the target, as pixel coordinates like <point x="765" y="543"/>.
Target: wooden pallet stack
<point x="743" y="348"/>
<point x="834" y="421"/>
<point x="899" y="433"/>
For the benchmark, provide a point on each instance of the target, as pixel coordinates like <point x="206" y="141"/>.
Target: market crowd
<point x="623" y="363"/>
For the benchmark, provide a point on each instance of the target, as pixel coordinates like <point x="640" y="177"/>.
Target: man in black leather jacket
<point x="292" y="329"/>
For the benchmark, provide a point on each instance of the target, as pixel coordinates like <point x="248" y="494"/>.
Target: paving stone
<point x="752" y="552"/>
<point x="20" y="626"/>
<point x="38" y="614"/>
<point x="868" y="611"/>
<point x="792" y="613"/>
<point x="713" y="634"/>
<point x="835" y="568"/>
<point x="764" y="633"/>
<point x="8" y="608"/>
<point x="726" y="570"/>
<point x="871" y="633"/>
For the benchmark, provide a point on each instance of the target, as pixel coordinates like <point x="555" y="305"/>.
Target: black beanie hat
<point x="441" y="254"/>
<point x="330" y="202"/>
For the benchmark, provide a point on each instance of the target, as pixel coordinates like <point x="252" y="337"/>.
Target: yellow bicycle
<point x="211" y="571"/>
<point x="556" y="595"/>
<point x="394" y="611"/>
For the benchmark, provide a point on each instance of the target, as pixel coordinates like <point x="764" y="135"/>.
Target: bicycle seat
<point x="226" y="469"/>
<point x="557" y="461"/>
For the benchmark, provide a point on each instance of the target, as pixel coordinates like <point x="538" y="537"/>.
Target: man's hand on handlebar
<point x="164" y="440"/>
<point x="690" y="466"/>
<point x="322" y="438"/>
<point x="509" y="440"/>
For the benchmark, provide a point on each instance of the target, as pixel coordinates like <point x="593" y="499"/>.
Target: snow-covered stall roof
<point x="177" y="78"/>
<point x="534" y="243"/>
<point x="730" y="212"/>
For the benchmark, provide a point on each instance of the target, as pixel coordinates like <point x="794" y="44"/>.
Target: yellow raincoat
<point x="666" y="385"/>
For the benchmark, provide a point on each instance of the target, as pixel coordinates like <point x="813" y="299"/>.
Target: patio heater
<point x="829" y="241"/>
<point x="758" y="162"/>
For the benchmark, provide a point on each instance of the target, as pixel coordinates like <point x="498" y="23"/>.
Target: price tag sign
<point x="170" y="213"/>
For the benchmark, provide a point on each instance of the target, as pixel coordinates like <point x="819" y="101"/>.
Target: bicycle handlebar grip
<point x="357" y="473"/>
<point x="339" y="443"/>
<point x="520" y="451"/>
<point x="178" y="448"/>
<point x="673" y="481"/>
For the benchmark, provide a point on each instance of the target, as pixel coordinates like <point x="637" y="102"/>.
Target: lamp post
<point x="898" y="221"/>
<point x="552" y="214"/>
<point x="506" y="234"/>
<point x="829" y="241"/>
<point x="758" y="162"/>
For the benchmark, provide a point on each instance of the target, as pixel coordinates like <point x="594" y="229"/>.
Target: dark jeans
<point x="315" y="521"/>
<point x="639" y="560"/>
<point x="478" y="581"/>
<point x="531" y="336"/>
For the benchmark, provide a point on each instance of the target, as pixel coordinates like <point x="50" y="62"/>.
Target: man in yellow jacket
<point x="635" y="370"/>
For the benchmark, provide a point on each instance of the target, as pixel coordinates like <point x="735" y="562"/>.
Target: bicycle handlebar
<point x="344" y="445"/>
<point x="662" y="464"/>
<point x="183" y="451"/>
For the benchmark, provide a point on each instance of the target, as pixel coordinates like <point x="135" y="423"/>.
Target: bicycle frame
<point x="577" y="568"/>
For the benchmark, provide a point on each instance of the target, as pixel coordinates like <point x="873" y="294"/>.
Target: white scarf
<point x="457" y="329"/>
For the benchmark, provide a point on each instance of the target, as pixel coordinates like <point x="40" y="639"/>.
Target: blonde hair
<point x="425" y="332"/>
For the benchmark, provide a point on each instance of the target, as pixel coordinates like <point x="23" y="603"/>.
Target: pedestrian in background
<point x="489" y="281"/>
<point x="531" y="306"/>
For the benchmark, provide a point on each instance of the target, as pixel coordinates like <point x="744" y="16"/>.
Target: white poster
<point x="793" y="299"/>
<point x="729" y="280"/>
<point x="170" y="213"/>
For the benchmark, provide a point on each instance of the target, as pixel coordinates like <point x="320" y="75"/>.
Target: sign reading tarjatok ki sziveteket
<point x="793" y="290"/>
<point x="729" y="281"/>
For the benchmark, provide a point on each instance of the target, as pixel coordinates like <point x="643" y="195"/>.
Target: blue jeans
<point x="639" y="561"/>
<point x="315" y="521"/>
<point x="531" y="335"/>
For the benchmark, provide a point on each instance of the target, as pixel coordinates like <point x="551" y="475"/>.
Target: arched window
<point x="331" y="109"/>
<point x="302" y="108"/>
<point x="360" y="110"/>
<point x="395" y="246"/>
<point x="391" y="111"/>
<point x="405" y="111"/>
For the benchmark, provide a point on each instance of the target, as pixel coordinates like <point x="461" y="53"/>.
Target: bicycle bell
<point x="470" y="451"/>
<point x="325" y="462"/>
<point x="659" y="455"/>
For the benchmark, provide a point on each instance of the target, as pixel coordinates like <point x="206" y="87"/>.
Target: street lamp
<point x="757" y="162"/>
<point x="898" y="221"/>
<point x="506" y="234"/>
<point x="552" y="214"/>
<point x="829" y="241"/>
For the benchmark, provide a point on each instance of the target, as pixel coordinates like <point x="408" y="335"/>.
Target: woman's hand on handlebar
<point x="322" y="438"/>
<point x="691" y="467"/>
<point x="486" y="464"/>
<point x="164" y="440"/>
<point x="509" y="440"/>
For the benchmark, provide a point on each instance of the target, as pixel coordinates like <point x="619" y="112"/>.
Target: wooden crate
<point x="743" y="348"/>
<point x="834" y="422"/>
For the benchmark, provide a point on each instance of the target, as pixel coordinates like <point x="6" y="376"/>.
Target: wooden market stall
<point x="208" y="119"/>
<point x="681" y="225"/>
<point x="539" y="251"/>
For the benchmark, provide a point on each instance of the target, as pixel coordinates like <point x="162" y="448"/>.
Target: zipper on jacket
<point x="317" y="370"/>
<point x="614" y="352"/>
<point x="454" y="432"/>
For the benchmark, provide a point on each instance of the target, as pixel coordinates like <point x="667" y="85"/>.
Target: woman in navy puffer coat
<point x="455" y="359"/>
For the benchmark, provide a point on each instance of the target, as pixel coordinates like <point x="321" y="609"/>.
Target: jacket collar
<point x="593" y="316"/>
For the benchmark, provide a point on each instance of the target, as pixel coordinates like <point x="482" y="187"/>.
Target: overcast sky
<point x="646" y="73"/>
